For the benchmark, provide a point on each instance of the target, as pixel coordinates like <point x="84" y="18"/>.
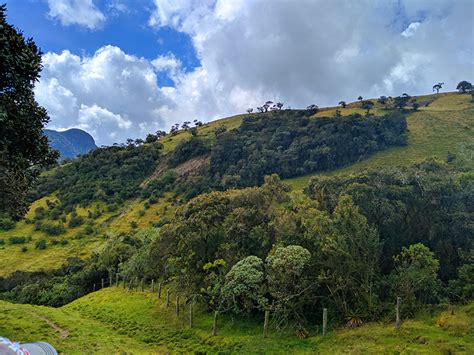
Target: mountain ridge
<point x="70" y="143"/>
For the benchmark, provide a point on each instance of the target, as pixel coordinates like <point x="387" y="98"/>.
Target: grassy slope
<point x="445" y="125"/>
<point x="114" y="320"/>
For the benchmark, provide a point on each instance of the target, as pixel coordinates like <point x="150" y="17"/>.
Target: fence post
<point x="265" y="323"/>
<point x="191" y="313"/>
<point x="167" y="297"/>
<point x="398" y="321"/>
<point x="214" y="324"/>
<point x="102" y="283"/>
<point x="177" y="305"/>
<point x="159" y="290"/>
<point x="325" y="321"/>
<point x="153" y="286"/>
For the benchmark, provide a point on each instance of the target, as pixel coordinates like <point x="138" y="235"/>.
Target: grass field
<point x="446" y="125"/>
<point x="118" y="321"/>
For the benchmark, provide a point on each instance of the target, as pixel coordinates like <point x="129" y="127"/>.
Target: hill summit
<point x="71" y="143"/>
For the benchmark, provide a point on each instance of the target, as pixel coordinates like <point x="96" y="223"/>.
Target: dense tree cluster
<point x="290" y="144"/>
<point x="111" y="175"/>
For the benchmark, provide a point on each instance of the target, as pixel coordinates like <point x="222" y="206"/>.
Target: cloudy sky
<point x="123" y="68"/>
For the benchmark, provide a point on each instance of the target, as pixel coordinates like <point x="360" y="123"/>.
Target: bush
<point x="75" y="221"/>
<point x="24" y="249"/>
<point x="6" y="223"/>
<point x="186" y="150"/>
<point x="53" y="229"/>
<point x="40" y="244"/>
<point x="17" y="240"/>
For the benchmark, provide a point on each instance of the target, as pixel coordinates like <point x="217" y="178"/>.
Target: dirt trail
<point x="63" y="333"/>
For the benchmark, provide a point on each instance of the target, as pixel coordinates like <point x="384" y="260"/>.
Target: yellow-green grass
<point x="206" y="131"/>
<point x="13" y="258"/>
<point x="432" y="133"/>
<point x="116" y="320"/>
<point x="143" y="217"/>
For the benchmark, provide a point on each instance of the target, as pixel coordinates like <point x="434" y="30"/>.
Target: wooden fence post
<point x="265" y="323"/>
<point x="398" y="321"/>
<point x="153" y="286"/>
<point x="191" y="313"/>
<point x="167" y="297"/>
<point x="325" y="321"/>
<point x="214" y="324"/>
<point x="159" y="290"/>
<point x="177" y="305"/>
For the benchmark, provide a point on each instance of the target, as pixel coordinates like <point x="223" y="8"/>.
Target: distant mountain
<point x="70" y="143"/>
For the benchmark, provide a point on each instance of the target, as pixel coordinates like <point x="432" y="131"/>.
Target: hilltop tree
<point x="437" y="87"/>
<point x="343" y="104"/>
<point x="464" y="86"/>
<point x="382" y="100"/>
<point x="279" y="105"/>
<point x="367" y="105"/>
<point x="249" y="110"/>
<point x="23" y="145"/>
<point x="312" y="109"/>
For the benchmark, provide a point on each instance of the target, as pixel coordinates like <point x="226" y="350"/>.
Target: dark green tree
<point x="464" y="86"/>
<point x="23" y="146"/>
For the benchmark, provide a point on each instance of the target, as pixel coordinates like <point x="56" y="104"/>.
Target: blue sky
<point x="127" y="30"/>
<point x="123" y="68"/>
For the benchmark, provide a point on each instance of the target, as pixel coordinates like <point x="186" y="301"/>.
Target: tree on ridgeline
<point x="343" y="104"/>
<point x="464" y="86"/>
<point x="23" y="146"/>
<point x="437" y="87"/>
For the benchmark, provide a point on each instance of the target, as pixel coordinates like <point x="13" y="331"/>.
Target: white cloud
<point x="76" y="12"/>
<point x="249" y="51"/>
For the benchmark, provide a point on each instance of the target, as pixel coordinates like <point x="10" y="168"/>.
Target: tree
<point x="312" y="109"/>
<point x="288" y="283"/>
<point x="23" y="146"/>
<point x="464" y="86"/>
<point x="401" y="101"/>
<point x="160" y="134"/>
<point x="151" y="138"/>
<point x="415" y="278"/>
<point x="260" y="109"/>
<point x="249" y="110"/>
<point x="350" y="255"/>
<point x="244" y="286"/>
<point x="382" y="100"/>
<point x="279" y="105"/>
<point x="367" y="105"/>
<point x="343" y="104"/>
<point x="437" y="87"/>
<point x="186" y="125"/>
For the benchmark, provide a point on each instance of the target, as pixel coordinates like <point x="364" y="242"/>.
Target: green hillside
<point x="444" y="126"/>
<point x="115" y="320"/>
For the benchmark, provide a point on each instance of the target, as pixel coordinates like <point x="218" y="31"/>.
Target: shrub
<point x="75" y="221"/>
<point x="6" y="223"/>
<point x="17" y="240"/>
<point x="24" y="249"/>
<point x="40" y="244"/>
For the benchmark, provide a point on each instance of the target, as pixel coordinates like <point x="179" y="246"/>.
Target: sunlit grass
<point x="117" y="320"/>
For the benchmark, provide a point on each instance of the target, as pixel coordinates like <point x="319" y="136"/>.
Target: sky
<point x="124" y="68"/>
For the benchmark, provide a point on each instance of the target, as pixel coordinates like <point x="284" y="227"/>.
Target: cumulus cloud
<point x="249" y="51"/>
<point x="109" y="93"/>
<point x="76" y="12"/>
